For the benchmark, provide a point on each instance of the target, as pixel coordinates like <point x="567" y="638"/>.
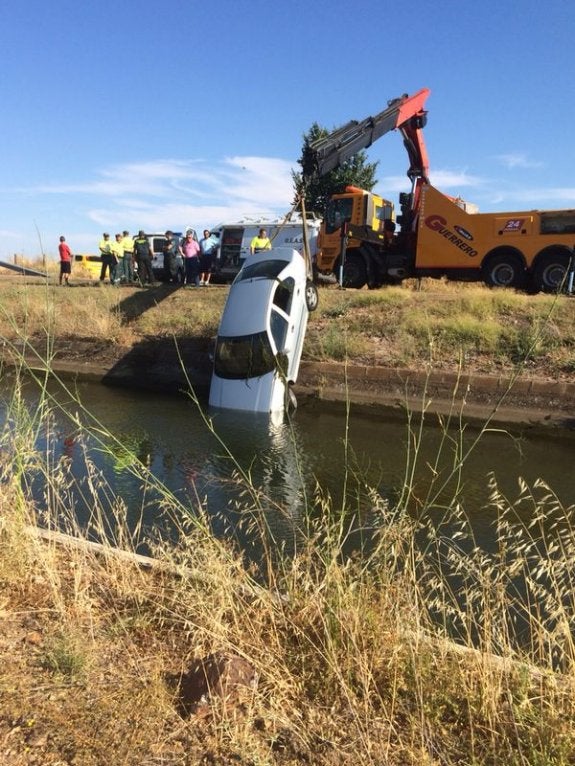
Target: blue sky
<point x="139" y="114"/>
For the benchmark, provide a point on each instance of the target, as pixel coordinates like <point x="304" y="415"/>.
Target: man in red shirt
<point x="65" y="260"/>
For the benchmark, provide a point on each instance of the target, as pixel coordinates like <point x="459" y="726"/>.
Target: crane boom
<point x="405" y="113"/>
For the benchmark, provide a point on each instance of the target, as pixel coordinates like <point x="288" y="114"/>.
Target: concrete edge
<point x="395" y="391"/>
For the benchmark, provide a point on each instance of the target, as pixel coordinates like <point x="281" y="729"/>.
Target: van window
<point x="158" y="244"/>
<point x="246" y="356"/>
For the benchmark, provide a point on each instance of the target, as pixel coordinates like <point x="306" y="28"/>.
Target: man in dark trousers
<point x="143" y="256"/>
<point x="171" y="250"/>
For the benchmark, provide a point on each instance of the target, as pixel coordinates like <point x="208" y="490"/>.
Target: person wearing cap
<point x="170" y="250"/>
<point x="105" y="248"/>
<point x="143" y="257"/>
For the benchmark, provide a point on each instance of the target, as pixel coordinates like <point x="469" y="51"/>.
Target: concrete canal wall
<point x="505" y="399"/>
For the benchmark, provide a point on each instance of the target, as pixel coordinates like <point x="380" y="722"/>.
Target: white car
<point x="261" y="333"/>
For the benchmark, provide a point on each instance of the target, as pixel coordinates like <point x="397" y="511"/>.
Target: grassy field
<point x="440" y="324"/>
<point x="426" y="650"/>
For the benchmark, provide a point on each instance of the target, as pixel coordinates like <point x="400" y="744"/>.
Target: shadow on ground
<point x="164" y="365"/>
<point x="141" y="300"/>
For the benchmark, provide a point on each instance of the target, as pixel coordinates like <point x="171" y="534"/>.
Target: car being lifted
<point x="261" y="333"/>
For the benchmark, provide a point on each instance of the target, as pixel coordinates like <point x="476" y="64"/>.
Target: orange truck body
<point x="439" y="235"/>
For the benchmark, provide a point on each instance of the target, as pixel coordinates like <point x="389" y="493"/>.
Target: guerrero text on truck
<point x="362" y="242"/>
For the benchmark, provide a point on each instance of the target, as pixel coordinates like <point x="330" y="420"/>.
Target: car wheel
<point x="503" y="271"/>
<point x="311" y="296"/>
<point x="354" y="271"/>
<point x="550" y="272"/>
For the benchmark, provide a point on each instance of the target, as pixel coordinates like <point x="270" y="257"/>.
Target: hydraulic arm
<point x="405" y="113"/>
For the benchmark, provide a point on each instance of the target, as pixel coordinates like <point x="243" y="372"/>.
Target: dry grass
<point x="486" y="331"/>
<point x="354" y="658"/>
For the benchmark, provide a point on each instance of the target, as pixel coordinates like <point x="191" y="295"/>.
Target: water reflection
<point x="285" y="461"/>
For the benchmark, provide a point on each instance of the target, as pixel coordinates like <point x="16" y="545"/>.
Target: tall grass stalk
<point x="354" y="654"/>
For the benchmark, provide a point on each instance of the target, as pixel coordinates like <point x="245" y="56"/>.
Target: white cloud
<point x="517" y="160"/>
<point x="172" y="193"/>
<point x="442" y="179"/>
<point x="155" y="195"/>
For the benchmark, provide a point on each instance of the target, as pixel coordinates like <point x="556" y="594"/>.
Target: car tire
<point x="311" y="296"/>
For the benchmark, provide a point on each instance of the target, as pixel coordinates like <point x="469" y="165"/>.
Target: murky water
<point x="288" y="460"/>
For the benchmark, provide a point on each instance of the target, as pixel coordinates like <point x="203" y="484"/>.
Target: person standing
<point x="117" y="260"/>
<point x="170" y="250"/>
<point x="65" y="261"/>
<point x="260" y="242"/>
<point x="105" y="248"/>
<point x="127" y="258"/>
<point x="190" y="251"/>
<point x="208" y="245"/>
<point x="143" y="256"/>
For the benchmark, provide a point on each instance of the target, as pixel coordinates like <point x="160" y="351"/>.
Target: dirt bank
<point x="160" y="366"/>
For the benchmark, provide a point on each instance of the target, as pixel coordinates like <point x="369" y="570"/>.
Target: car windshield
<point x="246" y="356"/>
<point x="261" y="269"/>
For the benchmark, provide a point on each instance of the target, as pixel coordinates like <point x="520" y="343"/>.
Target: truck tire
<point x="503" y="271"/>
<point x="354" y="271"/>
<point x="550" y="272"/>
<point x="311" y="296"/>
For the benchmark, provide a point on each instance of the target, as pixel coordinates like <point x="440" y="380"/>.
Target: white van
<point x="235" y="238"/>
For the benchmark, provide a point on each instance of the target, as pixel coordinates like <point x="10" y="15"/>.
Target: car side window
<point x="284" y="294"/>
<point x="279" y="328"/>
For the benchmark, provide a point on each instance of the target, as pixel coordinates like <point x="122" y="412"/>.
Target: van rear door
<point x="230" y="256"/>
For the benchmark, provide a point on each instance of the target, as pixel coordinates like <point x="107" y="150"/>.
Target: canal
<point x="319" y="447"/>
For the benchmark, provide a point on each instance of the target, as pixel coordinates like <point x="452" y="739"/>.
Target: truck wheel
<point x="550" y="272"/>
<point x="311" y="296"/>
<point x="503" y="271"/>
<point x="354" y="272"/>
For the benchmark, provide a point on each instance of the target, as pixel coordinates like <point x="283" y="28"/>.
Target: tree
<point x="356" y="171"/>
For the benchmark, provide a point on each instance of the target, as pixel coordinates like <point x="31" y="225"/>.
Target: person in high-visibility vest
<point x="261" y="242"/>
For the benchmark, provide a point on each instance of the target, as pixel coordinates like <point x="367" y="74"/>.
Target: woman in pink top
<point x="190" y="250"/>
